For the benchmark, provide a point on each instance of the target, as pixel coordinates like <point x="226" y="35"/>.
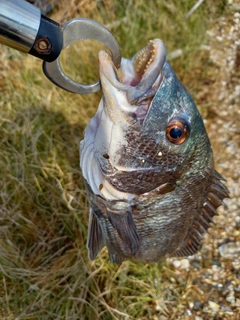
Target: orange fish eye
<point x="177" y="131"/>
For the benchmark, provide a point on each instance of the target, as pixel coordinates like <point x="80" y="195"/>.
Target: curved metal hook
<point x="81" y="29"/>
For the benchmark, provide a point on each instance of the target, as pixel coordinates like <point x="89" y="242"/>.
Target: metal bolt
<point x="43" y="45"/>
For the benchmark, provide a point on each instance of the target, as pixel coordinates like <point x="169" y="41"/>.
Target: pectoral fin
<point x="95" y="239"/>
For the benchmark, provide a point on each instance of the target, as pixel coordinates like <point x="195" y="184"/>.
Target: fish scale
<point x="144" y="148"/>
<point x="141" y="181"/>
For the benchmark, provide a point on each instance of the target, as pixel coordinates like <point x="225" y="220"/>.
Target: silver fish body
<point x="147" y="163"/>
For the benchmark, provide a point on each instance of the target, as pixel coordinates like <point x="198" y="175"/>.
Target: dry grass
<point x="44" y="269"/>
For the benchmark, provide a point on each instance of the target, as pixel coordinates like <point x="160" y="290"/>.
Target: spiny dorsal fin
<point x="217" y="192"/>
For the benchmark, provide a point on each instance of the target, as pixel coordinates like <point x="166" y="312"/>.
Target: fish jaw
<point x="133" y="86"/>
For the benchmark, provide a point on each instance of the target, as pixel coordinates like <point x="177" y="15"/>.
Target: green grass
<point x="45" y="272"/>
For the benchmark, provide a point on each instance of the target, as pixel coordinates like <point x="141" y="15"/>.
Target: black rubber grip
<point x="49" y="40"/>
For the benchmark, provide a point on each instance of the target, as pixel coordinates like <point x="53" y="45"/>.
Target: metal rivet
<point x="42" y="45"/>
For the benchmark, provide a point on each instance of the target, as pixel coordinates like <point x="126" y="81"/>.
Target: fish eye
<point x="177" y="131"/>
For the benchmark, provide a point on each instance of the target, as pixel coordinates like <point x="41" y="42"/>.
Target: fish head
<point x="150" y="120"/>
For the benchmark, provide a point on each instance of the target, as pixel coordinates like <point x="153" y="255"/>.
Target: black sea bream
<point x="147" y="163"/>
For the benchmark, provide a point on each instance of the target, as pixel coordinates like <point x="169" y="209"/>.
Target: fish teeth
<point x="145" y="57"/>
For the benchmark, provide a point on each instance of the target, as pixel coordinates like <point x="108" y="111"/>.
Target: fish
<point x="147" y="163"/>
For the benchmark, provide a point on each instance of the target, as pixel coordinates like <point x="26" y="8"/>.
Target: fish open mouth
<point x="140" y="77"/>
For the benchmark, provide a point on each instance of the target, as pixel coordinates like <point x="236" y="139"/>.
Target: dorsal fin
<point x="217" y="192"/>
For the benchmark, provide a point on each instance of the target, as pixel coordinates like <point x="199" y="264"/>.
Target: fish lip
<point x="139" y="77"/>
